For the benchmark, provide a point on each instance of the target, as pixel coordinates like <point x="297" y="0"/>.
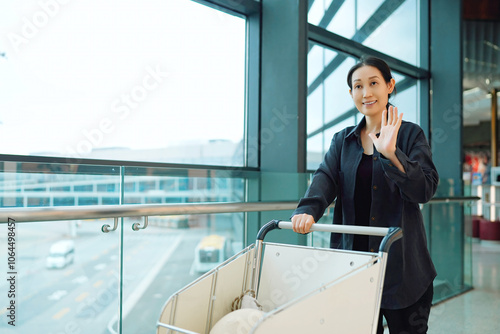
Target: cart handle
<point x="390" y="234"/>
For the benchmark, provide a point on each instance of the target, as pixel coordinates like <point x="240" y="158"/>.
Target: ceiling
<point x="481" y="53"/>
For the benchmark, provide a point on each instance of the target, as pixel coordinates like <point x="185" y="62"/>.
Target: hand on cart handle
<point x="390" y="234"/>
<point x="302" y="223"/>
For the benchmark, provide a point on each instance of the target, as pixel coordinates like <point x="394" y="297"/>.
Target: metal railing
<point x="37" y="214"/>
<point x="136" y="210"/>
<point x="458" y="199"/>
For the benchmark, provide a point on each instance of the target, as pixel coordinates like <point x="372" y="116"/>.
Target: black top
<point x="363" y="201"/>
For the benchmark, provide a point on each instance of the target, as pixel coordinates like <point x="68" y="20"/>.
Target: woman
<point x="378" y="172"/>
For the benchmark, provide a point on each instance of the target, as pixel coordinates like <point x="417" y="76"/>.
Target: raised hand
<point x="386" y="141"/>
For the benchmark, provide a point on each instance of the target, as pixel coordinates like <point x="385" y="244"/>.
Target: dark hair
<point x="378" y="64"/>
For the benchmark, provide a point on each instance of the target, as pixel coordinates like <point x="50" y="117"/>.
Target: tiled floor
<point x="476" y="311"/>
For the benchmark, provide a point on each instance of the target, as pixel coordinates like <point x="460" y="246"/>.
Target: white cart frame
<point x="301" y="289"/>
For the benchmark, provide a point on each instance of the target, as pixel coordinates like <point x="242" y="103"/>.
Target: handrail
<point x="24" y="215"/>
<point x="457" y="199"/>
<point x="37" y="214"/>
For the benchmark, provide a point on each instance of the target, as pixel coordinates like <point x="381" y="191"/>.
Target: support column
<point x="446" y="89"/>
<point x="447" y="220"/>
<point x="284" y="85"/>
<point x="283" y="107"/>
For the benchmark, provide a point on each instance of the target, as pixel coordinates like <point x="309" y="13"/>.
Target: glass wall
<point x="156" y="81"/>
<point x="450" y="239"/>
<point x="73" y="277"/>
<point x="67" y="272"/>
<point x="452" y="255"/>
<point x="329" y="105"/>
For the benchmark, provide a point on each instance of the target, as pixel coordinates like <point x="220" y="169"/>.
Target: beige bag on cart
<point x="246" y="313"/>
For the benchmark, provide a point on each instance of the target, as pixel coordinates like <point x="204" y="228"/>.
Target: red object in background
<point x="489" y="230"/>
<point x="475" y="164"/>
<point x="475" y="226"/>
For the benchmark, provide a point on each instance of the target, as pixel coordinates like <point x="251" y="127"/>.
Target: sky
<point x="81" y="75"/>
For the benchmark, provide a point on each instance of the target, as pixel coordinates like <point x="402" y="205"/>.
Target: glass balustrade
<point x="71" y="277"/>
<point x="449" y="236"/>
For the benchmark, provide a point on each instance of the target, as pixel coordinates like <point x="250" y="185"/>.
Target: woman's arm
<point x="419" y="182"/>
<point x="322" y="191"/>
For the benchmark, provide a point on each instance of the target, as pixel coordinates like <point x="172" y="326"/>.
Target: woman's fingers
<point x="395" y="116"/>
<point x="299" y="224"/>
<point x="390" y="115"/>
<point x="400" y="119"/>
<point x="384" y="118"/>
<point x="302" y="223"/>
<point x="385" y="143"/>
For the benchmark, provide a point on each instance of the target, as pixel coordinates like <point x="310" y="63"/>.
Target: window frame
<point x="327" y="39"/>
<point x="251" y="11"/>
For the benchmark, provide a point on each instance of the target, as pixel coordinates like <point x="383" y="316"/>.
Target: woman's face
<point x="370" y="92"/>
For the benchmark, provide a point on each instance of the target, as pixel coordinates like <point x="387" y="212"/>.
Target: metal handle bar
<point x="347" y="229"/>
<point x="390" y="234"/>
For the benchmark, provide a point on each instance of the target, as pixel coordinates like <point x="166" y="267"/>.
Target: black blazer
<point x="395" y="202"/>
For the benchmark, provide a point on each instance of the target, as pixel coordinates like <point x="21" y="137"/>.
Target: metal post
<point x="494" y="130"/>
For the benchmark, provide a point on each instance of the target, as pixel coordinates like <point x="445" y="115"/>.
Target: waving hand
<point x="385" y="143"/>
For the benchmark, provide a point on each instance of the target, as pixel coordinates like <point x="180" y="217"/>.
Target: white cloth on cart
<point x="240" y="321"/>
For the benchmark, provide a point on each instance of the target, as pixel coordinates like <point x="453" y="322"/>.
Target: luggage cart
<point x="301" y="289"/>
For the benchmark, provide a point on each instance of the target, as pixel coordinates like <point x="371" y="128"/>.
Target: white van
<point x="61" y="254"/>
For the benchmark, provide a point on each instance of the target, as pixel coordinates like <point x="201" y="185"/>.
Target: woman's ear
<point x="350" y="92"/>
<point x="391" y="85"/>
